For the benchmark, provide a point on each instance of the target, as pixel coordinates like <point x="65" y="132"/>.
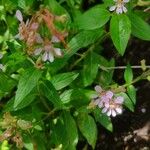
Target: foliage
<point x="49" y="69"/>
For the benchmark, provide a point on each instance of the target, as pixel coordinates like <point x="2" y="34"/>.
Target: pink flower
<point x="106" y="100"/>
<point x="119" y="7"/>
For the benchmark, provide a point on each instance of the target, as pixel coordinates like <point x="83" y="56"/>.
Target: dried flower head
<point x="119" y="7"/>
<point x="106" y="100"/>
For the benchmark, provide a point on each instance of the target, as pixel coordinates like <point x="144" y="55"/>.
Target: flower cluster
<point x="106" y="100"/>
<point x="36" y="44"/>
<point x="48" y="50"/>
<point x="119" y="7"/>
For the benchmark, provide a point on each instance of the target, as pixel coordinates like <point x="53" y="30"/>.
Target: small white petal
<point x="98" y="89"/>
<point x="109" y="94"/>
<point x="112" y="8"/>
<point x="58" y="51"/>
<point x="96" y="102"/>
<point x="34" y="26"/>
<point x="39" y="38"/>
<point x="113" y="113"/>
<point x="104" y="110"/>
<point x="109" y="113"/>
<point x="45" y="56"/>
<point x="50" y="57"/>
<point x="17" y="36"/>
<point x="124" y="9"/>
<point x="125" y="1"/>
<point x="19" y="15"/>
<point x="37" y="51"/>
<point x="119" y="100"/>
<point x="55" y="39"/>
<point x="100" y="105"/>
<point x="119" y="10"/>
<point x="118" y="110"/>
<point x="107" y="105"/>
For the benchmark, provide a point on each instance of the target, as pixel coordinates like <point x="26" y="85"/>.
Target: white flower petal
<point x="107" y="105"/>
<point x="58" y="51"/>
<point x="125" y="1"/>
<point x="34" y="26"/>
<point x="109" y="113"/>
<point x="124" y="9"/>
<point x="19" y="15"/>
<point x="100" y="105"/>
<point x="113" y="113"/>
<point x="104" y="110"/>
<point x="118" y="110"/>
<point x="96" y="102"/>
<point x="119" y="100"/>
<point x="45" y="56"/>
<point x="98" y="89"/>
<point x="112" y="8"/>
<point x="94" y="96"/>
<point x="50" y="57"/>
<point x="37" y="51"/>
<point x="55" y="39"/>
<point x="39" y="38"/>
<point x="119" y="10"/>
<point x="109" y="94"/>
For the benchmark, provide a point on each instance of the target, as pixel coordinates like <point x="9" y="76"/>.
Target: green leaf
<point x="127" y="101"/>
<point x="88" y="128"/>
<point x="80" y="97"/>
<point x="48" y="90"/>
<point x="28" y="81"/>
<point x="6" y="84"/>
<point x="120" y="29"/>
<point x="132" y="93"/>
<point x="66" y="96"/>
<point x="140" y="28"/>
<point x="94" y="18"/>
<point x="65" y="132"/>
<point x="64" y="79"/>
<point x="103" y="119"/>
<point x="90" y="68"/>
<point x="128" y="74"/>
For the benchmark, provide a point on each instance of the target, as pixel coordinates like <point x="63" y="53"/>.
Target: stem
<point x="122" y="67"/>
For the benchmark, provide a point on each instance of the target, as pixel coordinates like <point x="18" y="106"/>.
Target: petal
<point x="124" y="9"/>
<point x="96" y="102"/>
<point x="104" y="110"/>
<point x="113" y="113"/>
<point x="47" y="47"/>
<point x="1" y="67"/>
<point x="119" y="10"/>
<point x="17" y="36"/>
<point x="98" y="89"/>
<point x="100" y="105"/>
<point x="125" y="1"/>
<point x="58" y="51"/>
<point x="118" y="110"/>
<point x="37" y="51"/>
<point x="107" y="105"/>
<point x="112" y="8"/>
<point x="109" y="94"/>
<point x="39" y="38"/>
<point x="34" y="26"/>
<point x="119" y="100"/>
<point x="55" y="39"/>
<point x="19" y="15"/>
<point x="45" y="56"/>
<point x="109" y="113"/>
<point x="50" y="57"/>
